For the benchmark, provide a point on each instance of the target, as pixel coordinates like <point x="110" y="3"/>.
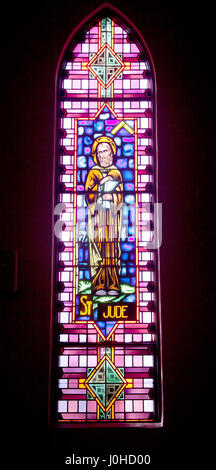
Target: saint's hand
<point x="106" y="178"/>
<point x="107" y="197"/>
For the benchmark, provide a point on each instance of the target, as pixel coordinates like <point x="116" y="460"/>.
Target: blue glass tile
<point x="97" y="135"/>
<point x="130" y="298"/>
<point x="88" y="140"/>
<point x="127" y="175"/>
<point x="87" y="150"/>
<point x="80" y="146"/>
<point x="104" y="116"/>
<point x="117" y="141"/>
<point x="127" y="246"/>
<point x="129" y="199"/>
<point x="80" y="255"/>
<point x="106" y="110"/>
<point x="88" y="130"/>
<point x="125" y="211"/>
<point x="87" y="275"/>
<point x="131" y="270"/>
<point x="83" y="175"/>
<point x="128" y="150"/>
<point x="95" y="315"/>
<point x="85" y="123"/>
<point x="80" y="130"/>
<point x="81" y="162"/>
<point x="123" y="131"/>
<point x="86" y="255"/>
<point x="99" y="126"/>
<point x="129" y="186"/>
<point x="130" y="123"/>
<point x="121" y="162"/>
<point x="90" y="162"/>
<point x="81" y="214"/>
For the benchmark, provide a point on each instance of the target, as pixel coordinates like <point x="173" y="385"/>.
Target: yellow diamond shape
<point x="100" y="67"/>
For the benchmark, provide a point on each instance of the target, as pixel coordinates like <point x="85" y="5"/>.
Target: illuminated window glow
<point x="106" y="298"/>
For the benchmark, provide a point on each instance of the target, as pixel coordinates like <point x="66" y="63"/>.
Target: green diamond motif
<point x="105" y="383"/>
<point x="105" y="65"/>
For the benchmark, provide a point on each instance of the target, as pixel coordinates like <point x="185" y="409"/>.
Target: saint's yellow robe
<point x="104" y="229"/>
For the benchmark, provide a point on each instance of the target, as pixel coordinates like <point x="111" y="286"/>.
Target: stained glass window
<point x="106" y="345"/>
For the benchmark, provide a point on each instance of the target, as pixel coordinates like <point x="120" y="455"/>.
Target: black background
<point x="180" y="37"/>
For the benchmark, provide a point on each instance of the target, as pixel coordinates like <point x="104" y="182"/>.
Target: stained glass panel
<point x="107" y="322"/>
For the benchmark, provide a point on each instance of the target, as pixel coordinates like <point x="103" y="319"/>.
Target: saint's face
<point x="104" y="154"/>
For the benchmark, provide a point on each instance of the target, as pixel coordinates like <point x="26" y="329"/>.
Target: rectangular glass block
<point x="107" y="383"/>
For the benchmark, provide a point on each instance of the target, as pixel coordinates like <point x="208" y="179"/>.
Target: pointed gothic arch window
<point x="106" y="340"/>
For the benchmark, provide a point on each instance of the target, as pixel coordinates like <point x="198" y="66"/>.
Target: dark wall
<point x="179" y="41"/>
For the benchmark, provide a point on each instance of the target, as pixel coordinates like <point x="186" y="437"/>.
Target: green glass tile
<point x="111" y="375"/>
<point x="111" y="391"/>
<point x="99" y="390"/>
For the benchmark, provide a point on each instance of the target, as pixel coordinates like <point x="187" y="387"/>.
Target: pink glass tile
<point x="93" y="47"/>
<point x="134" y="48"/>
<point x="76" y="416"/>
<point x="77" y="48"/>
<point x="92" y="338"/>
<point x="138" y="383"/>
<point x="137" y="361"/>
<point x="73" y="361"/>
<point x="118" y="84"/>
<point x="118" y="30"/>
<point x="92" y="361"/>
<point x="134" y="83"/>
<point x="94" y="30"/>
<point x="119" y="361"/>
<point x="76" y="105"/>
<point x="93" y="83"/>
<point x="137" y="415"/>
<point x="135" y="104"/>
<point x="119" y="338"/>
<point x="137" y="338"/>
<point x="119" y="406"/>
<point x="91" y="406"/>
<point x="118" y="48"/>
<point x="92" y="105"/>
<point x="73" y="338"/>
<point x="76" y="66"/>
<point x="73" y="383"/>
<point x="137" y="392"/>
<point x="76" y="84"/>
<point x="72" y="405"/>
<point x="77" y="394"/>
<point x="138" y="405"/>
<point x="119" y="415"/>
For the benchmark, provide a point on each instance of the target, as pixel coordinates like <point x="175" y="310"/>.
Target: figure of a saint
<point x="104" y="197"/>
